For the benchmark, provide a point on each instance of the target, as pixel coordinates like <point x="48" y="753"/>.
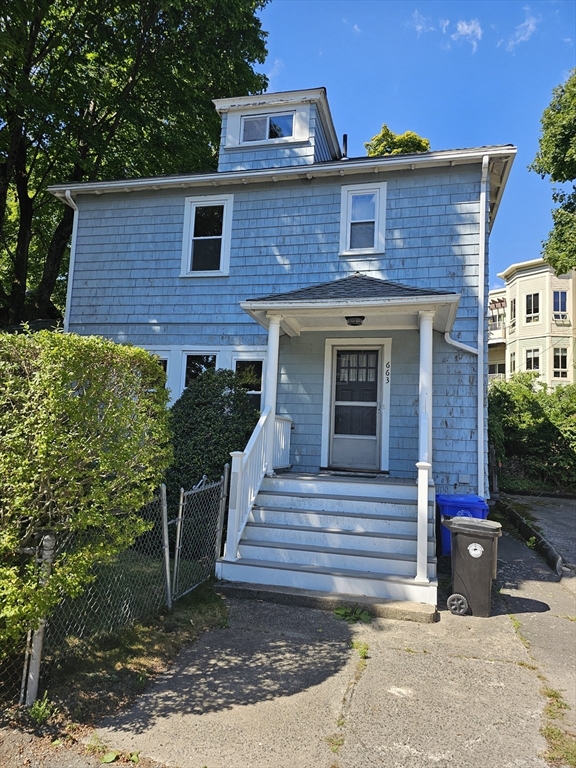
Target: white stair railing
<point x="424" y="466"/>
<point x="282" y="431"/>
<point x="246" y="475"/>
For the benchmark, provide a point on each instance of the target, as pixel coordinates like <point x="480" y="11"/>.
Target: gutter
<point x="72" y="204"/>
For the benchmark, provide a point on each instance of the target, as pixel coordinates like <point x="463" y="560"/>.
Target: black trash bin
<point x="474" y="561"/>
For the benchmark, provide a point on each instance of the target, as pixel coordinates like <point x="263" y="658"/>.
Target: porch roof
<point x="382" y="305"/>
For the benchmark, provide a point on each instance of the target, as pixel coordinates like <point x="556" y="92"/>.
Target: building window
<point x="268" y="127"/>
<point x="560" y="312"/>
<point x="251" y="372"/>
<point x="512" y="362"/>
<point x="363" y="218"/>
<point x="532" y="307"/>
<point x="495" y="369"/>
<point x="197" y="364"/>
<point x="512" y="315"/>
<point x="206" y="246"/>
<point x="532" y="359"/>
<point x="560" y="362"/>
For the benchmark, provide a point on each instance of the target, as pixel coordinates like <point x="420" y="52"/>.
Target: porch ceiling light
<point x="354" y="319"/>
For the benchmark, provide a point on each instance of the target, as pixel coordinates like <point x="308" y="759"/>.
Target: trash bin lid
<point x="472" y="525"/>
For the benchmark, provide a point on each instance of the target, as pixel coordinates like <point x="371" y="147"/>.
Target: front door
<point x="355" y="432"/>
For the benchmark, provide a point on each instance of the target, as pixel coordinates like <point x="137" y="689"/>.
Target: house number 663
<point x="387" y="372"/>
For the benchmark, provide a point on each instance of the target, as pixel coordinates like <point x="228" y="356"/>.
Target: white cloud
<point x="471" y="31"/>
<point x="277" y="67"/>
<point x="355" y="27"/>
<point x="524" y="31"/>
<point x="444" y="25"/>
<point x="421" y="23"/>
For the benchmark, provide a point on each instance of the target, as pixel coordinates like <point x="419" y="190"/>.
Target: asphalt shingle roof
<point x="356" y="286"/>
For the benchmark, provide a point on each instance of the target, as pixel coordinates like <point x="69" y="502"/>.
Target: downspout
<point x="481" y="322"/>
<point x="72" y="205"/>
<point x="479" y="351"/>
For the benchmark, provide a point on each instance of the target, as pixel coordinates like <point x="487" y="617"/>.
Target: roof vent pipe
<point x="344" y="147"/>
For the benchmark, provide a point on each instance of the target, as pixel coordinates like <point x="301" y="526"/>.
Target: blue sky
<point x="462" y="74"/>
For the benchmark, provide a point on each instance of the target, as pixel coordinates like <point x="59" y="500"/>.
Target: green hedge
<point x="213" y="417"/>
<point x="533" y="429"/>
<point x="84" y="442"/>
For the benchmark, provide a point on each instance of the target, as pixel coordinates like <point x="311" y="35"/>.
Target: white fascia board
<point x="338" y="168"/>
<point x="259" y="310"/>
<point x="282" y="98"/>
<point x="519" y="265"/>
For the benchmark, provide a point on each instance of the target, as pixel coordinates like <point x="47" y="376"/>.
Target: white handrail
<point x="247" y="472"/>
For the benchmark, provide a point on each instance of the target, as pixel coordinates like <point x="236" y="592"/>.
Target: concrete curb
<point x="542" y="546"/>
<point x="307" y="598"/>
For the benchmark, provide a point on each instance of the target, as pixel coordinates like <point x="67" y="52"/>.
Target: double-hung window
<point x="532" y="359"/>
<point x="532" y="307"/>
<point x="512" y="327"/>
<point x="363" y="219"/>
<point x="207" y="229"/>
<point x="251" y="373"/>
<point x="267" y="127"/>
<point x="197" y="364"/>
<point x="559" y="301"/>
<point x="560" y="362"/>
<point x="512" y="362"/>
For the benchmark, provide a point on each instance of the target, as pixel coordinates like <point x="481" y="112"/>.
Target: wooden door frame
<point x="385" y="373"/>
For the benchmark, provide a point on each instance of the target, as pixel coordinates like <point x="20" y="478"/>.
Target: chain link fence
<point x="166" y="562"/>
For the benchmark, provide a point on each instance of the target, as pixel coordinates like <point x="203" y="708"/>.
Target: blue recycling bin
<point x="458" y="505"/>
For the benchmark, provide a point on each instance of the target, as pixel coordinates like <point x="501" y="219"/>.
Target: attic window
<point x="268" y="127"/>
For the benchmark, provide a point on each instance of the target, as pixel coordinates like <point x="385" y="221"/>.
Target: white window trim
<point x="560" y="316"/>
<point x="557" y="372"/>
<point x="256" y="356"/>
<point x="191" y="203"/>
<point x="533" y="317"/>
<point x="300" y="127"/>
<point x="348" y="191"/>
<point x="196" y="351"/>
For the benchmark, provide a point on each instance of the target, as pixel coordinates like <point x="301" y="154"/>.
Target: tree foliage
<point x="556" y="159"/>
<point x="388" y="143"/>
<point x="84" y="441"/>
<point x="213" y="417"/>
<point x="533" y="429"/>
<point x="96" y="90"/>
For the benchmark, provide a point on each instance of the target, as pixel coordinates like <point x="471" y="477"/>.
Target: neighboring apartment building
<point x="531" y="323"/>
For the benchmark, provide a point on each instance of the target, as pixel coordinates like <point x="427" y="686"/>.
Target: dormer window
<point x="268" y="127"/>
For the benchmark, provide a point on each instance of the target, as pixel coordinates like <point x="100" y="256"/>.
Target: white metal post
<point x="271" y="386"/>
<point x="48" y="547"/>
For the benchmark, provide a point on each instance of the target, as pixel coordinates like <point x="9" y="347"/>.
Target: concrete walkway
<point x="282" y="686"/>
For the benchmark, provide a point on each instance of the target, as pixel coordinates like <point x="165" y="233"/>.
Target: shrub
<point x="213" y="417"/>
<point x="84" y="442"/>
<point x="533" y="429"/>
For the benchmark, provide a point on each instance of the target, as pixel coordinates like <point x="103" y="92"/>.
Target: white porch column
<point x="425" y="384"/>
<point x="271" y="386"/>
<point x="424" y="463"/>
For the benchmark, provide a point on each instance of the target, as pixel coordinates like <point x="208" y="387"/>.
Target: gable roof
<point x="356" y="286"/>
<point x="382" y="305"/>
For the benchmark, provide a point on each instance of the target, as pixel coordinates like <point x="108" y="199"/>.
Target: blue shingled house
<point x="355" y="289"/>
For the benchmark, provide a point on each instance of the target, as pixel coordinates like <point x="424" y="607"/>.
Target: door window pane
<point x="356" y="376"/>
<point x="355" y="420"/>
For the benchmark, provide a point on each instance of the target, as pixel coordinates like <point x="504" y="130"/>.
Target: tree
<point x="213" y="417"/>
<point x="556" y="159"/>
<point x="388" y="143"/>
<point x="84" y="442"/>
<point x="101" y="89"/>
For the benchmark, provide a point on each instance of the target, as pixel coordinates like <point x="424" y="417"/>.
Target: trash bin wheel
<point x="457" y="604"/>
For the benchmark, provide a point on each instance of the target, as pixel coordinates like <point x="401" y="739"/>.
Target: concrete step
<point x="333" y="558"/>
<point x="382" y="608"/>
<point x="350" y="521"/>
<point x="334" y="538"/>
<point x="353" y="582"/>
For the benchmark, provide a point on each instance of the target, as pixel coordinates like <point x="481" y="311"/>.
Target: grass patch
<point x="335" y="742"/>
<point x="516" y="624"/>
<point x="561" y="746"/>
<point x="556" y="705"/>
<point x="352" y="615"/>
<point x="100" y="675"/>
